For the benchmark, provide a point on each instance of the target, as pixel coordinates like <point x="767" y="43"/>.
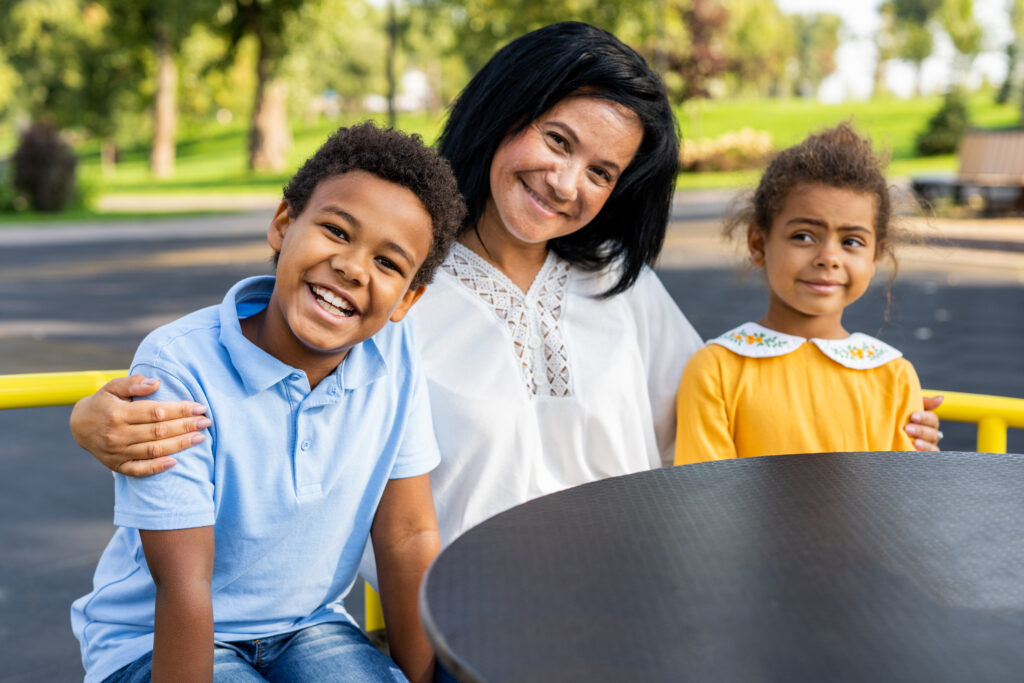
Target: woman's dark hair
<point x="531" y="75"/>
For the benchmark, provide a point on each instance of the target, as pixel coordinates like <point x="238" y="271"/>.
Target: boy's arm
<point x="405" y="540"/>
<point x="181" y="563"/>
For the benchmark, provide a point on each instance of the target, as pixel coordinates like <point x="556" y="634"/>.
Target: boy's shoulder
<point x="194" y="333"/>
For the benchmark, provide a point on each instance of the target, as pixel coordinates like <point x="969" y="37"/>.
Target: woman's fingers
<point x="145" y="468"/>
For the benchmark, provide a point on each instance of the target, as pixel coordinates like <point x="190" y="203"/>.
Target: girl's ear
<point x="279" y="225"/>
<point x="755" y="243"/>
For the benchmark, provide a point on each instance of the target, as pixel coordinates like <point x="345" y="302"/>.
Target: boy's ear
<point x="755" y="243"/>
<point x="410" y="297"/>
<point x="279" y="225"/>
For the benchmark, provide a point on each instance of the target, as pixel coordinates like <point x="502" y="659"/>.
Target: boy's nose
<point x="350" y="267"/>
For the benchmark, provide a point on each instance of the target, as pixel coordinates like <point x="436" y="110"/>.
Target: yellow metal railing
<point x="51" y="388"/>
<point x="993" y="415"/>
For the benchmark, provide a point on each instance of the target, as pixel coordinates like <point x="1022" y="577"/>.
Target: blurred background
<point x="143" y="105"/>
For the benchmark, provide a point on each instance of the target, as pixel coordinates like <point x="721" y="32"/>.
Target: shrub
<point x="945" y="128"/>
<point x="732" y="151"/>
<point x="44" y="168"/>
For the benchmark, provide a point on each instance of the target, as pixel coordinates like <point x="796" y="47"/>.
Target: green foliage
<point x="817" y="39"/>
<point x="945" y="128"/>
<point x="44" y="168"/>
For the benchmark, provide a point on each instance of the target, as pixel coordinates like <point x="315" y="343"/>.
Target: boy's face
<point x="346" y="262"/>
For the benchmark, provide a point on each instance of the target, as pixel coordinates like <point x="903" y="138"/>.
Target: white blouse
<point x="533" y="393"/>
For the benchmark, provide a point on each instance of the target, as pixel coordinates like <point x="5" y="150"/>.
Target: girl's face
<point x="818" y="257"/>
<point x="553" y="177"/>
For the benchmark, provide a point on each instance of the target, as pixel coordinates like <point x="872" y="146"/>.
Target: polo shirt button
<point x="295" y="377"/>
<point x="333" y="391"/>
<point x="306" y="444"/>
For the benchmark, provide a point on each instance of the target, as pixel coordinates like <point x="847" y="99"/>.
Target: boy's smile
<point x="346" y="263"/>
<point x="818" y="258"/>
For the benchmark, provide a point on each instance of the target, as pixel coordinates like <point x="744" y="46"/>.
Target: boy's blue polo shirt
<point x="289" y="478"/>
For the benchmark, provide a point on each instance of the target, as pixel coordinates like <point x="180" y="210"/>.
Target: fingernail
<point x="920" y="443"/>
<point x="198" y="409"/>
<point x="150" y="382"/>
<point x="196" y="438"/>
<point x="203" y="423"/>
<point x="915" y="416"/>
<point x="913" y="430"/>
<point x="170" y="464"/>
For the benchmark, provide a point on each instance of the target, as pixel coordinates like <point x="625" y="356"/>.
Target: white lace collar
<point x="532" y="318"/>
<point x="858" y="351"/>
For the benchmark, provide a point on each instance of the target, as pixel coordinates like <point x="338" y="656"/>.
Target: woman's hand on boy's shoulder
<point x="135" y="438"/>
<point x="924" y="425"/>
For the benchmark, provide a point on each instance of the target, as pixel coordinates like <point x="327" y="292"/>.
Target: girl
<point x="796" y="381"/>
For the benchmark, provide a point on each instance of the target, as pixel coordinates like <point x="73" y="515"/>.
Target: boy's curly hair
<point x="398" y="158"/>
<point x="836" y="157"/>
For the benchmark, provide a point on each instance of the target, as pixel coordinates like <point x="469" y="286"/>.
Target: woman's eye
<point x="558" y="140"/>
<point x="604" y="176"/>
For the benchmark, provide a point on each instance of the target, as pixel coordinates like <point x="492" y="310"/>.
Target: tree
<point x="759" y="46"/>
<point x="958" y="21"/>
<point x="159" y="28"/>
<point x="886" y="45"/>
<point x="1014" y="55"/>
<point x="913" y="34"/>
<point x="817" y="39"/>
<point x="265" y="21"/>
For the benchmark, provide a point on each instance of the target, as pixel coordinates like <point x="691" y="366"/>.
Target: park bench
<point x="990" y="175"/>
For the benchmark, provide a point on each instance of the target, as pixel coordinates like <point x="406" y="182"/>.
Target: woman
<point x="551" y="350"/>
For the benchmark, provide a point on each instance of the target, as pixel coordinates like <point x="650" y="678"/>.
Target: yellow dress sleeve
<point x="909" y="400"/>
<point x="703" y="427"/>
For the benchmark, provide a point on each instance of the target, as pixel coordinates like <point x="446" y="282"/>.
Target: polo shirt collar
<point x="259" y="370"/>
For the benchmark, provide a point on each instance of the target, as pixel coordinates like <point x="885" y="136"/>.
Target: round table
<point x="821" y="567"/>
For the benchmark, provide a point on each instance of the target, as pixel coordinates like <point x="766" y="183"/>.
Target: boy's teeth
<point x="331" y="303"/>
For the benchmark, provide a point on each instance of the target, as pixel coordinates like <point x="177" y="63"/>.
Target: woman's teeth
<point x="335" y="305"/>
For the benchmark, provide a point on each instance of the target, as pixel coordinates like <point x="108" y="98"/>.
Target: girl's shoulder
<point x="858" y="351"/>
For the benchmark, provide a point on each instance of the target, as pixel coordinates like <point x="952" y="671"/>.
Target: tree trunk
<point x="108" y="157"/>
<point x="269" y="138"/>
<point x="165" y="109"/>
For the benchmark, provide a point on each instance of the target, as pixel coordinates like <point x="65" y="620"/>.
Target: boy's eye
<point x="389" y="264"/>
<point x="336" y="231"/>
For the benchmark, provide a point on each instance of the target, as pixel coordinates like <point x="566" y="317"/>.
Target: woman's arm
<point x="137" y="438"/>
<point x="405" y="540"/>
<point x="924" y="425"/>
<point x="181" y="562"/>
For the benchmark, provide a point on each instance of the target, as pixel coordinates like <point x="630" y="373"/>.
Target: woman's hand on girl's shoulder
<point x="924" y="425"/>
<point x="135" y="438"/>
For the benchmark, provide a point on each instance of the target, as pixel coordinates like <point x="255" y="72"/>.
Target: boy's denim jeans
<point x="336" y="651"/>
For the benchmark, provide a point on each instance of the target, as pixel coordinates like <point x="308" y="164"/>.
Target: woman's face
<point x="553" y="177"/>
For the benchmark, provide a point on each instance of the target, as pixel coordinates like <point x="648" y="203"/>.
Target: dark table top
<point x="834" y="567"/>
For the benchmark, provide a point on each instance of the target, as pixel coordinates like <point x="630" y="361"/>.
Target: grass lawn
<point x="214" y="162"/>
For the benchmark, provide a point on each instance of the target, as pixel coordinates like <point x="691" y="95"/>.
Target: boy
<point x="321" y="434"/>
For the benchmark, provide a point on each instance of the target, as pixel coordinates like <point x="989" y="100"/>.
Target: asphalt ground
<point x="82" y="297"/>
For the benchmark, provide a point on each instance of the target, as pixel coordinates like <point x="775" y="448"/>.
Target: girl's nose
<point x="828" y="257"/>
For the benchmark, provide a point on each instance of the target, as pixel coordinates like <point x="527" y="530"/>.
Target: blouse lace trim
<point x="532" y="318"/>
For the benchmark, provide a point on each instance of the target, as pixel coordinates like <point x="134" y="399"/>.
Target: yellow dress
<point x="755" y="391"/>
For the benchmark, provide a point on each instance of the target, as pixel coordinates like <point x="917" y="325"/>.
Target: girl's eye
<point x="854" y="242"/>
<point x="801" y="237"/>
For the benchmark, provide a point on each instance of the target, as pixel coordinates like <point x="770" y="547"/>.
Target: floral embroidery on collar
<point x="858" y="351"/>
